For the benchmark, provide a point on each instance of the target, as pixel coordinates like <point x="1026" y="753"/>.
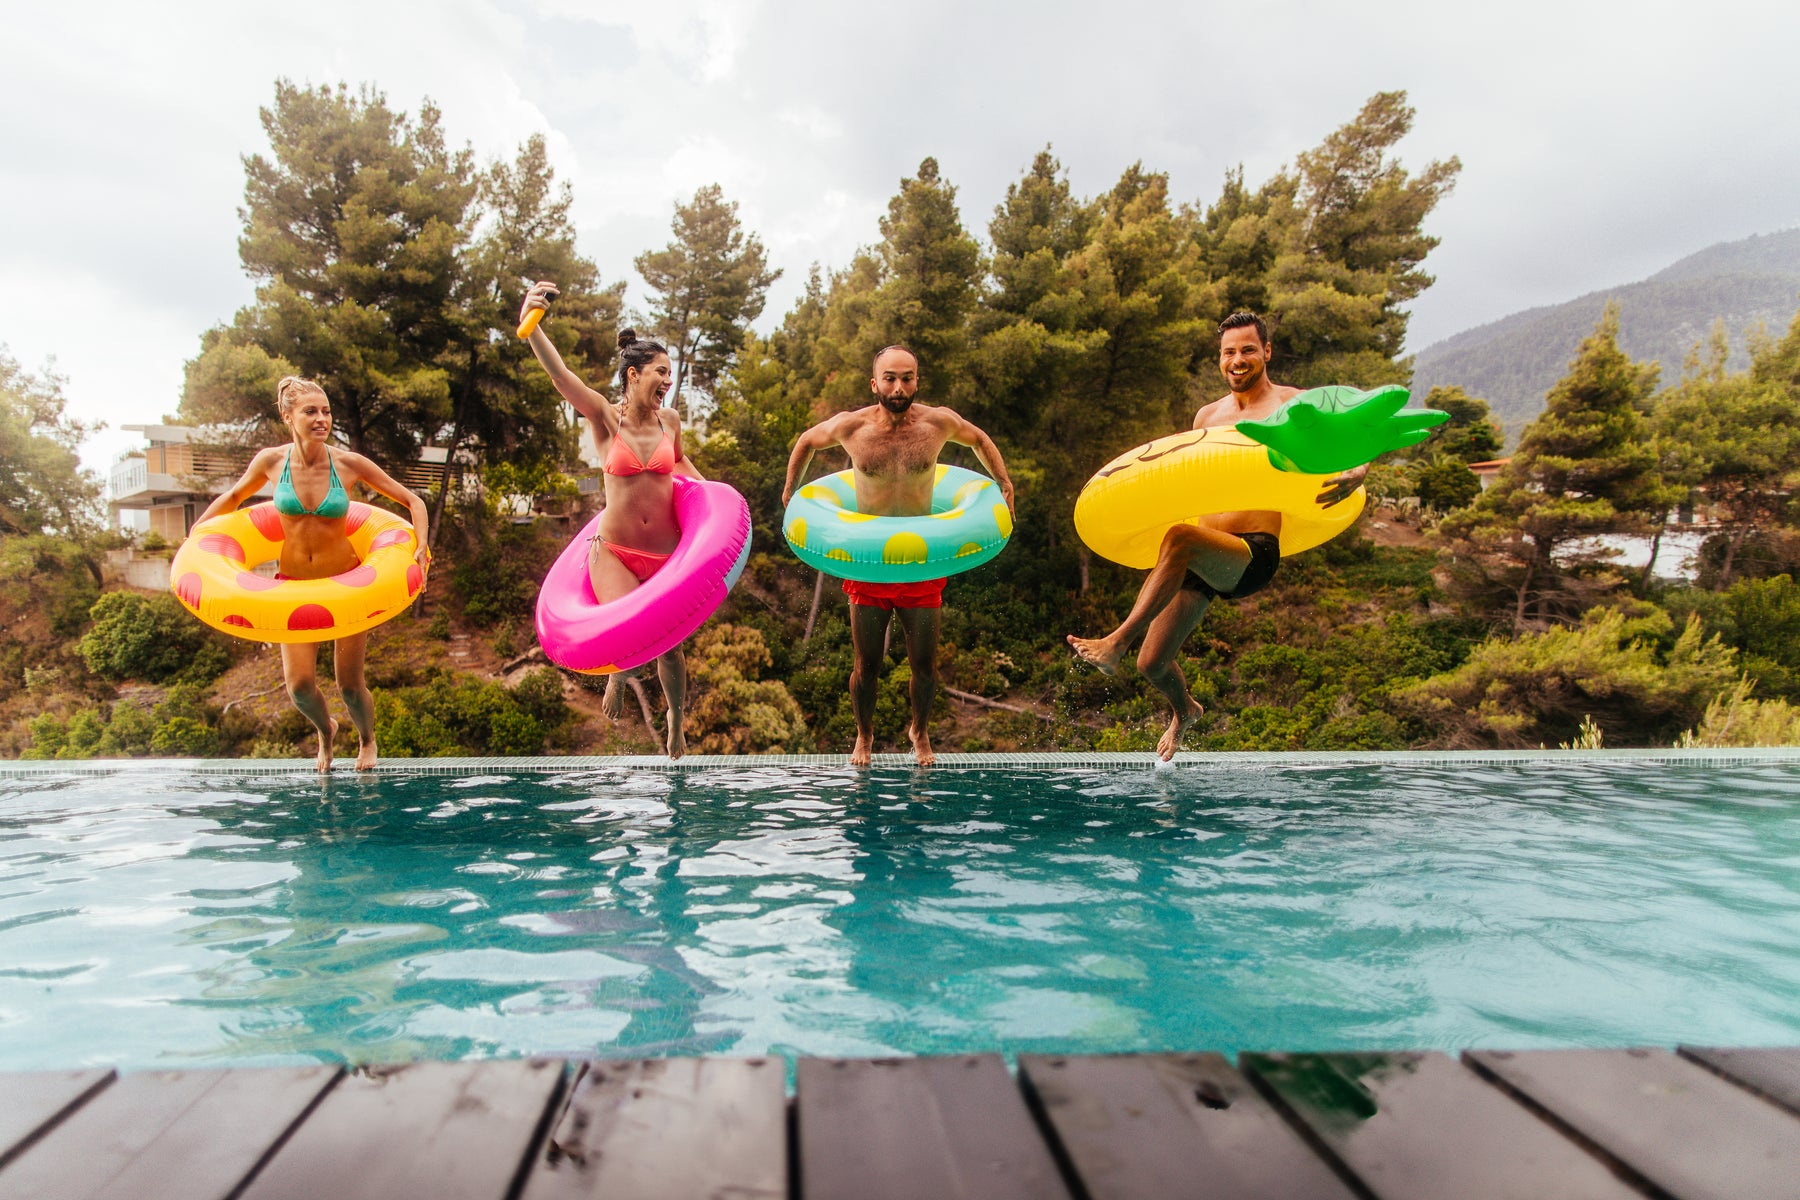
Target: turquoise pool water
<point x="159" y="916"/>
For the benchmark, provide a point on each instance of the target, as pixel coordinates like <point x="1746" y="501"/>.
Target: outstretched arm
<point x="365" y="472"/>
<point x="825" y="433"/>
<point x="967" y="433"/>
<point x="259" y="472"/>
<point x="584" y="399"/>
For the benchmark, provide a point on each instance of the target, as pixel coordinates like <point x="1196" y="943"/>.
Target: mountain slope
<point x="1514" y="361"/>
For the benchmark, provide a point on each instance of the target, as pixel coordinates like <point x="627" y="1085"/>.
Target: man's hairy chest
<point x="900" y="452"/>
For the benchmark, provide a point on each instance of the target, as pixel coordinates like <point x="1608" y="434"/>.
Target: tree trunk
<point x="1524" y="590"/>
<point x="1731" y="548"/>
<point x="1655" y="548"/>
<point x="643" y="700"/>
<point x="812" y="615"/>
<point x="1083" y="556"/>
<point x="435" y="518"/>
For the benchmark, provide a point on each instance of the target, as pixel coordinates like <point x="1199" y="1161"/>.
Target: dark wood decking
<point x="1535" y="1125"/>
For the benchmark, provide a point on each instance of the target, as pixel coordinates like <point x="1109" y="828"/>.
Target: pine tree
<point x="916" y="287"/>
<point x="353" y="229"/>
<point x="503" y="407"/>
<point x="391" y="271"/>
<point x="1026" y="340"/>
<point x="710" y="283"/>
<point x="1736" y="440"/>
<point x="1587" y="466"/>
<point x="1469" y="436"/>
<point x="43" y="487"/>
<point x="1331" y="251"/>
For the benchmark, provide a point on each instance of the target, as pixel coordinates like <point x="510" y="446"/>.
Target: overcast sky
<point x="1599" y="141"/>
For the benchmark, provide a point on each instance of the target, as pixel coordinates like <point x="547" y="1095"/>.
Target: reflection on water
<point x="154" y="918"/>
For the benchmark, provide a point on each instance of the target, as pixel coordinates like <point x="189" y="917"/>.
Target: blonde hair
<point x="289" y="391"/>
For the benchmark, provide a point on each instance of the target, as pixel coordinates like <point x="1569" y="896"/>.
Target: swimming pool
<point x="203" y="914"/>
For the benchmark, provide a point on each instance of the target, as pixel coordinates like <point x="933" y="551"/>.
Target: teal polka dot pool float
<point x="968" y="525"/>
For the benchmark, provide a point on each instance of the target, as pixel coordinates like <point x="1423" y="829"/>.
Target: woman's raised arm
<point x="568" y="385"/>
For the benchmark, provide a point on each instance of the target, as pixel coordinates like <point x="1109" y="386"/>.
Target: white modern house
<point x="176" y="475"/>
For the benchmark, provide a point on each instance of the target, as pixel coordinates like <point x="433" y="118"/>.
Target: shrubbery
<point x="1537" y="689"/>
<point x="732" y="709"/>
<point x="498" y="579"/>
<point x="151" y="638"/>
<point x="450" y="717"/>
<point x="178" y="726"/>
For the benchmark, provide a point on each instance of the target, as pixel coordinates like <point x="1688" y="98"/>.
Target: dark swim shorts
<point x="1265" y="556"/>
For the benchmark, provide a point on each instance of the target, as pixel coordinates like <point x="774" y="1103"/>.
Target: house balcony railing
<point x="129" y="478"/>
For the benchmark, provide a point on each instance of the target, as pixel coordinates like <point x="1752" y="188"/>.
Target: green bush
<point x="1445" y="483"/>
<point x="1537" y="690"/>
<point x="181" y="725"/>
<point x="151" y="638"/>
<point x="1761" y="619"/>
<point x="449" y="717"/>
<point x="499" y="580"/>
<point x="1734" y="719"/>
<point x="732" y="709"/>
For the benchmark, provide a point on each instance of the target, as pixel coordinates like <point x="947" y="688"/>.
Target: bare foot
<point x="325" y="746"/>
<point x="677" y="745"/>
<point x="921" y="742"/>
<point x="1099" y="653"/>
<point x="365" y="756"/>
<point x="1178" y="727"/>
<point x="612" y="700"/>
<point x="861" y="754"/>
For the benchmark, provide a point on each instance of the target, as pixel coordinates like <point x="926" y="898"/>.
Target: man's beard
<point x="896" y="404"/>
<point x="1244" y="383"/>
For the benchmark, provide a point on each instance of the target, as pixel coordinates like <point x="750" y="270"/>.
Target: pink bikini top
<point x="621" y="459"/>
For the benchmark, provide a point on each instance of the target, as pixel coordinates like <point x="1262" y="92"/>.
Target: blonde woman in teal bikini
<point x="312" y="496"/>
<point x="639" y="442"/>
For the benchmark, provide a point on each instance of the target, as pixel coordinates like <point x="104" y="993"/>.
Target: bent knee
<point x="1182" y="539"/>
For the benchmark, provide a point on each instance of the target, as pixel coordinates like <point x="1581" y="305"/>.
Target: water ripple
<point x="162" y="919"/>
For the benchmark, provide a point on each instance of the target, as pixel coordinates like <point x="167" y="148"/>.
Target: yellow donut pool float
<point x="1275" y="465"/>
<point x="213" y="575"/>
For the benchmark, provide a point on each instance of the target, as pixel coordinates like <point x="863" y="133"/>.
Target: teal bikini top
<point x="287" y="501"/>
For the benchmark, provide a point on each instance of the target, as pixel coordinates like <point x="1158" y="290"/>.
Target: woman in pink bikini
<point x="640" y="448"/>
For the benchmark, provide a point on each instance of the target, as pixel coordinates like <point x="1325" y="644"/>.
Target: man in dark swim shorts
<point x="893" y="446"/>
<point x="1227" y="555"/>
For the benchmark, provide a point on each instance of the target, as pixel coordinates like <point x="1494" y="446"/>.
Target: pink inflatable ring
<point x="581" y="634"/>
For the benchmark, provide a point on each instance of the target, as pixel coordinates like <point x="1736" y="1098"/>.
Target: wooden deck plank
<point x="1421" y="1126"/>
<point x="1148" y="1126"/>
<point x="669" y="1129"/>
<point x="898" y="1128"/>
<point x="451" y="1131"/>
<point x="37" y="1099"/>
<point x="1673" y="1122"/>
<point x="1771" y="1073"/>
<point x="192" y="1135"/>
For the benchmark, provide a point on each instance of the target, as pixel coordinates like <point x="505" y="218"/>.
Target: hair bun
<point x="626" y="337"/>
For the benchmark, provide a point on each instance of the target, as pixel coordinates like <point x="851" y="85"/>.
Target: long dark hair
<point x="637" y="352"/>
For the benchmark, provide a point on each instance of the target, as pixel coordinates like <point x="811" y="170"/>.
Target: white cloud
<point x="1598" y="143"/>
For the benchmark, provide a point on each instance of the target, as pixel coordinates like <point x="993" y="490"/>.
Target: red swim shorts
<point x="927" y="593"/>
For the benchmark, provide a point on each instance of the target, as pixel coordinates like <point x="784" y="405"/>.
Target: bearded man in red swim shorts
<point x="893" y="446"/>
